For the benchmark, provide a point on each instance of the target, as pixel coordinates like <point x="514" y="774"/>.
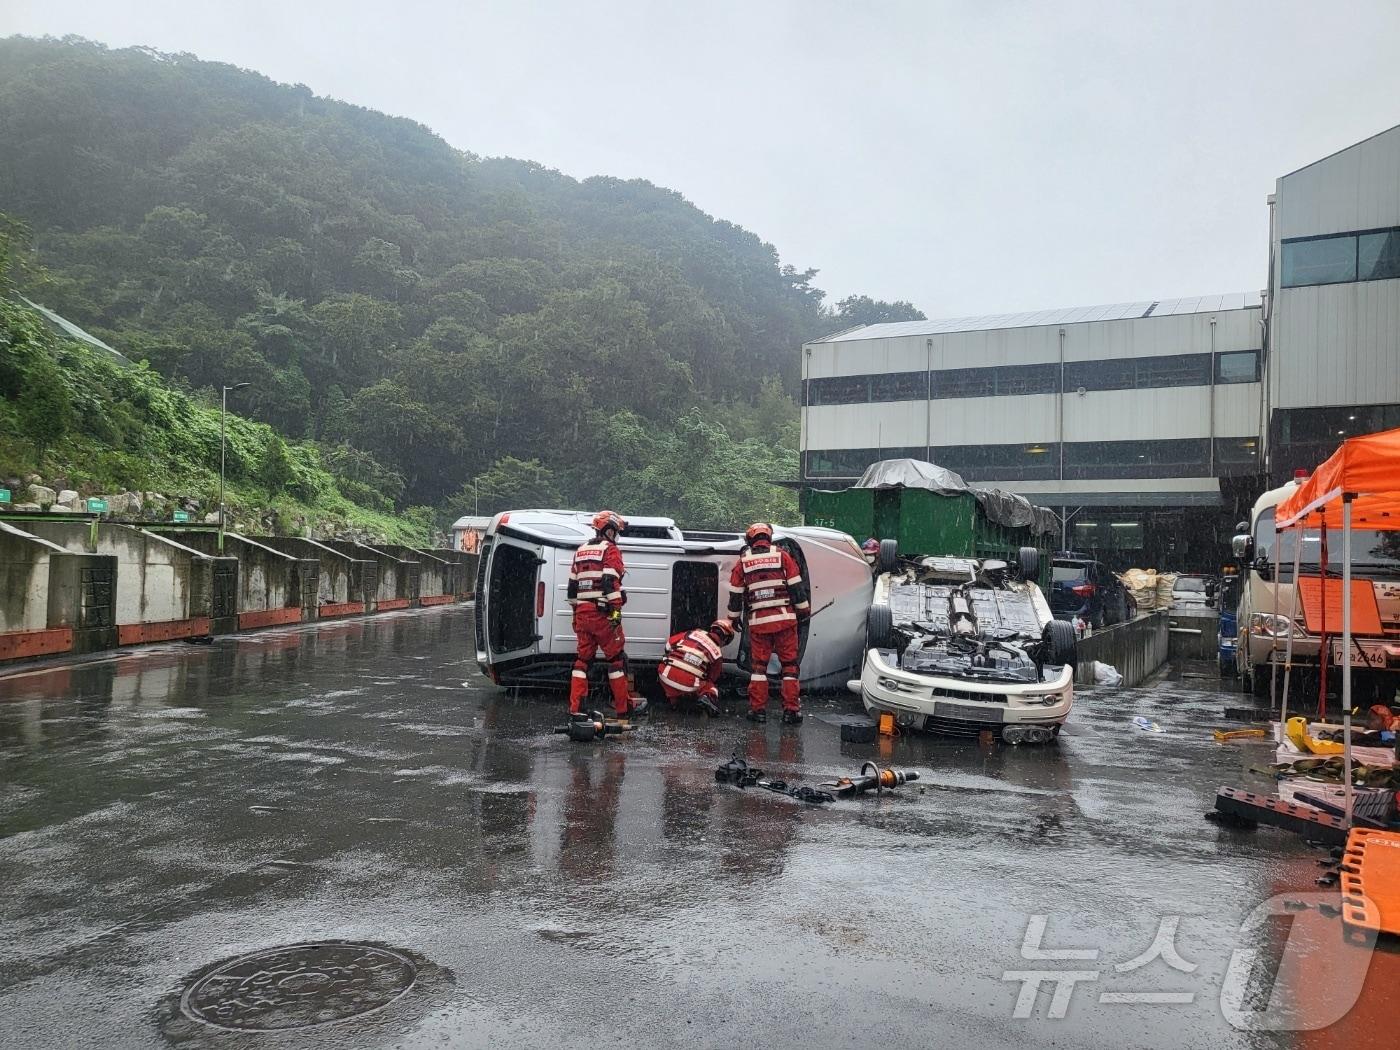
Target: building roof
<point x="1339" y="152"/>
<point x="1033" y="318"/>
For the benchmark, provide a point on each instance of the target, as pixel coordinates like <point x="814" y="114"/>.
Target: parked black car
<point x="1088" y="589"/>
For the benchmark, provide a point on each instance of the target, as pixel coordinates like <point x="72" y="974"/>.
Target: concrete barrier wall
<point x="273" y="587"/>
<point x="164" y="590"/>
<point x="52" y="601"/>
<point x="24" y="579"/>
<point x="1136" y="649"/>
<point x="1195" y="637"/>
<point x="345" y="584"/>
<point x="464" y="579"/>
<point x="436" y="576"/>
<point x="397" y="582"/>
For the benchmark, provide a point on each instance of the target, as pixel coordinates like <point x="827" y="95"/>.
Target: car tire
<point x="879" y="627"/>
<point x="1028" y="559"/>
<point x="1060" y="644"/>
<point x="888" y="558"/>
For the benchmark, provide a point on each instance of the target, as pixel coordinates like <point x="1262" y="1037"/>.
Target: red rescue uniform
<point x="767" y="589"/>
<point x="595" y="592"/>
<point x="691" y="666"/>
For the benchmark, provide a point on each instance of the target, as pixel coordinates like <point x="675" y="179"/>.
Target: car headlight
<point x="1271" y="626"/>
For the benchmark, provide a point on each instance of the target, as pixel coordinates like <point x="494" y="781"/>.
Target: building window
<point x="999" y="381"/>
<point x="1238" y="366"/>
<point x="964" y="382"/>
<point x="899" y="386"/>
<point x="1038" y="461"/>
<point x="1169" y="458"/>
<point x="1301" y="438"/>
<point x="1143" y="373"/>
<point x="839" y="390"/>
<point x="1236" y="456"/>
<point x="850" y="463"/>
<point x="1321" y="260"/>
<point x="1378" y="255"/>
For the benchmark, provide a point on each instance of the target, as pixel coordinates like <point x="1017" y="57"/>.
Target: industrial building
<point x="1150" y="426"/>
<point x="1333" y="310"/>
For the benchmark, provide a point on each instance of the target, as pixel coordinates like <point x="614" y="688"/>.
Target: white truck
<point x="1269" y="607"/>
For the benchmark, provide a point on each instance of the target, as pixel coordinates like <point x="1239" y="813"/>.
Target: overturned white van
<point x="675" y="580"/>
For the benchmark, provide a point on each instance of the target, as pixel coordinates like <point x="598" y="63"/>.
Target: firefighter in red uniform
<point x="768" y="592"/>
<point x="692" y="665"/>
<point x="595" y="592"/>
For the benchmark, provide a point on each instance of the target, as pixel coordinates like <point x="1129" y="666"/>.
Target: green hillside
<point x="449" y="318"/>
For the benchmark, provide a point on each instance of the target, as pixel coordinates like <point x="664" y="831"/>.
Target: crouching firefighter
<point x="595" y="592"/>
<point x="767" y="591"/>
<point x="692" y="665"/>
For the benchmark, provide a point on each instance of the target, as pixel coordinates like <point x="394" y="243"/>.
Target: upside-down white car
<point x="958" y="645"/>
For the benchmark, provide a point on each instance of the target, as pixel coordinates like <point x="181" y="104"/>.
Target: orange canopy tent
<point x="1367" y="469"/>
<point x="1357" y="488"/>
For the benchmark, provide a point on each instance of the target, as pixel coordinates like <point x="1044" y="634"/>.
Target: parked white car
<point x="957" y="645"/>
<point x="676" y="580"/>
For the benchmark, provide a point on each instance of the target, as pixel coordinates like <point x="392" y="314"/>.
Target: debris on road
<point x="584" y="729"/>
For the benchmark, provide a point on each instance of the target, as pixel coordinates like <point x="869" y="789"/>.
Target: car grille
<point x="962" y="694"/>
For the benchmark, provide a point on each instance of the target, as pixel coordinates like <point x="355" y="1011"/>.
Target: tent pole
<point x="1292" y="629"/>
<point x="1323" y="564"/>
<point x="1346" y="650"/>
<point x="1273" y="635"/>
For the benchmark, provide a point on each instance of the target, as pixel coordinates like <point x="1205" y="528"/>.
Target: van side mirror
<point x="1242" y="526"/>
<point x="1242" y="546"/>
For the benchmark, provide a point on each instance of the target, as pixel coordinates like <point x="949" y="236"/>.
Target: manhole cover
<point x="298" y="986"/>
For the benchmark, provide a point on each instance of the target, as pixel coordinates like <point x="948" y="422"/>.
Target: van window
<point x="511" y="598"/>
<point x="694" y="595"/>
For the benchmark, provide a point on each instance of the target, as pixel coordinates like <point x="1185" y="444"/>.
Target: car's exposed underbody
<point x="958" y="644"/>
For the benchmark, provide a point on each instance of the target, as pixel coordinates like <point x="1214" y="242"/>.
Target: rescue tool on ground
<point x="739" y="773"/>
<point x="769" y="597"/>
<point x="595" y="592"/>
<point x="584" y="729"/>
<point x="871" y="778"/>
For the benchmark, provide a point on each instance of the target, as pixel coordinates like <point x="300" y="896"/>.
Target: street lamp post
<point x="223" y="411"/>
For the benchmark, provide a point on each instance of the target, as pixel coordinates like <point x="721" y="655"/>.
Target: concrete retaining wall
<point x="52" y="601"/>
<point x="464" y="578"/>
<point x="1136" y="649"/>
<point x="273" y="587"/>
<point x="436" y="576"/>
<point x="164" y="590"/>
<point x="397" y="578"/>
<point x="345" y="584"/>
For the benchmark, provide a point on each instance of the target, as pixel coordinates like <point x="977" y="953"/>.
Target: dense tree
<point x="444" y="315"/>
<point x="861" y="309"/>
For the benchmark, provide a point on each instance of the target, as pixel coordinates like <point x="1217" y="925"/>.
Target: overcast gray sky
<point x="973" y="157"/>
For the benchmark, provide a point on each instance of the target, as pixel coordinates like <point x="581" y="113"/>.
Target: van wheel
<point x="888" y="558"/>
<point x="879" y="627"/>
<point x="1061" y="646"/>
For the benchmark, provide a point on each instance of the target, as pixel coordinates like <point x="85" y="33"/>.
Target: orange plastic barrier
<point x="1371" y="880"/>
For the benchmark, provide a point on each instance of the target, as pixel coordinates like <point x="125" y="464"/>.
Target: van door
<point x="513" y="594"/>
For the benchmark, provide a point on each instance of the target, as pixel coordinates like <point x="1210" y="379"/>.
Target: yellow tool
<point x="1297" y="730"/>
<point x="1222" y="735"/>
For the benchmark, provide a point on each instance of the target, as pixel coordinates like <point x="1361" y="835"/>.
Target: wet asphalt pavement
<point x="165" y="810"/>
